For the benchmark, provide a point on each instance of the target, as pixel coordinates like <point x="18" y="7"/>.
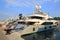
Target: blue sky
<point x="12" y="8"/>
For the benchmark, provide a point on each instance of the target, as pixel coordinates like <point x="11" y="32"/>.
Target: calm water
<point x="58" y="34"/>
<point x="47" y="35"/>
<point x="39" y="36"/>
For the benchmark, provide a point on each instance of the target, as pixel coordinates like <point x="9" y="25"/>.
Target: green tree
<point x="56" y="18"/>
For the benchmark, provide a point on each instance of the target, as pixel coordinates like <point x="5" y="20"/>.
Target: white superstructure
<point x="37" y="17"/>
<point x="37" y="22"/>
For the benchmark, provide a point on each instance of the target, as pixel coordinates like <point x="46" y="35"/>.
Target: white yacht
<point x="37" y="22"/>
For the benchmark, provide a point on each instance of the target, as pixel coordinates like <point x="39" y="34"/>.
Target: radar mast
<point x="38" y="8"/>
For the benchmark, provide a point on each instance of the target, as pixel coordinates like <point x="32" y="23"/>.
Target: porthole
<point x="45" y="28"/>
<point x="50" y="26"/>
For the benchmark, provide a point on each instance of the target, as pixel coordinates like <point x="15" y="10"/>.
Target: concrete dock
<point x="3" y="36"/>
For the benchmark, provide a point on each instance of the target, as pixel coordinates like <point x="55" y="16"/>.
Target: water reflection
<point x="46" y="35"/>
<point x="58" y="34"/>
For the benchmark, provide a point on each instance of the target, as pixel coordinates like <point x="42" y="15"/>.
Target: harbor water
<point x="47" y="35"/>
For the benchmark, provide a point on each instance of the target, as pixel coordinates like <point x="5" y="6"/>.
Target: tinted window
<point x="30" y="23"/>
<point x="36" y="17"/>
<point x="47" y="23"/>
<point x="50" y="18"/>
<point x="21" y="22"/>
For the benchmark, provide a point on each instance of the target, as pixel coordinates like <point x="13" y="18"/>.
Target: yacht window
<point x="36" y="17"/>
<point x="47" y="23"/>
<point x="50" y="18"/>
<point x="45" y="27"/>
<point x="30" y="23"/>
<point x="21" y="22"/>
<point x="50" y="27"/>
<point x="19" y="26"/>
